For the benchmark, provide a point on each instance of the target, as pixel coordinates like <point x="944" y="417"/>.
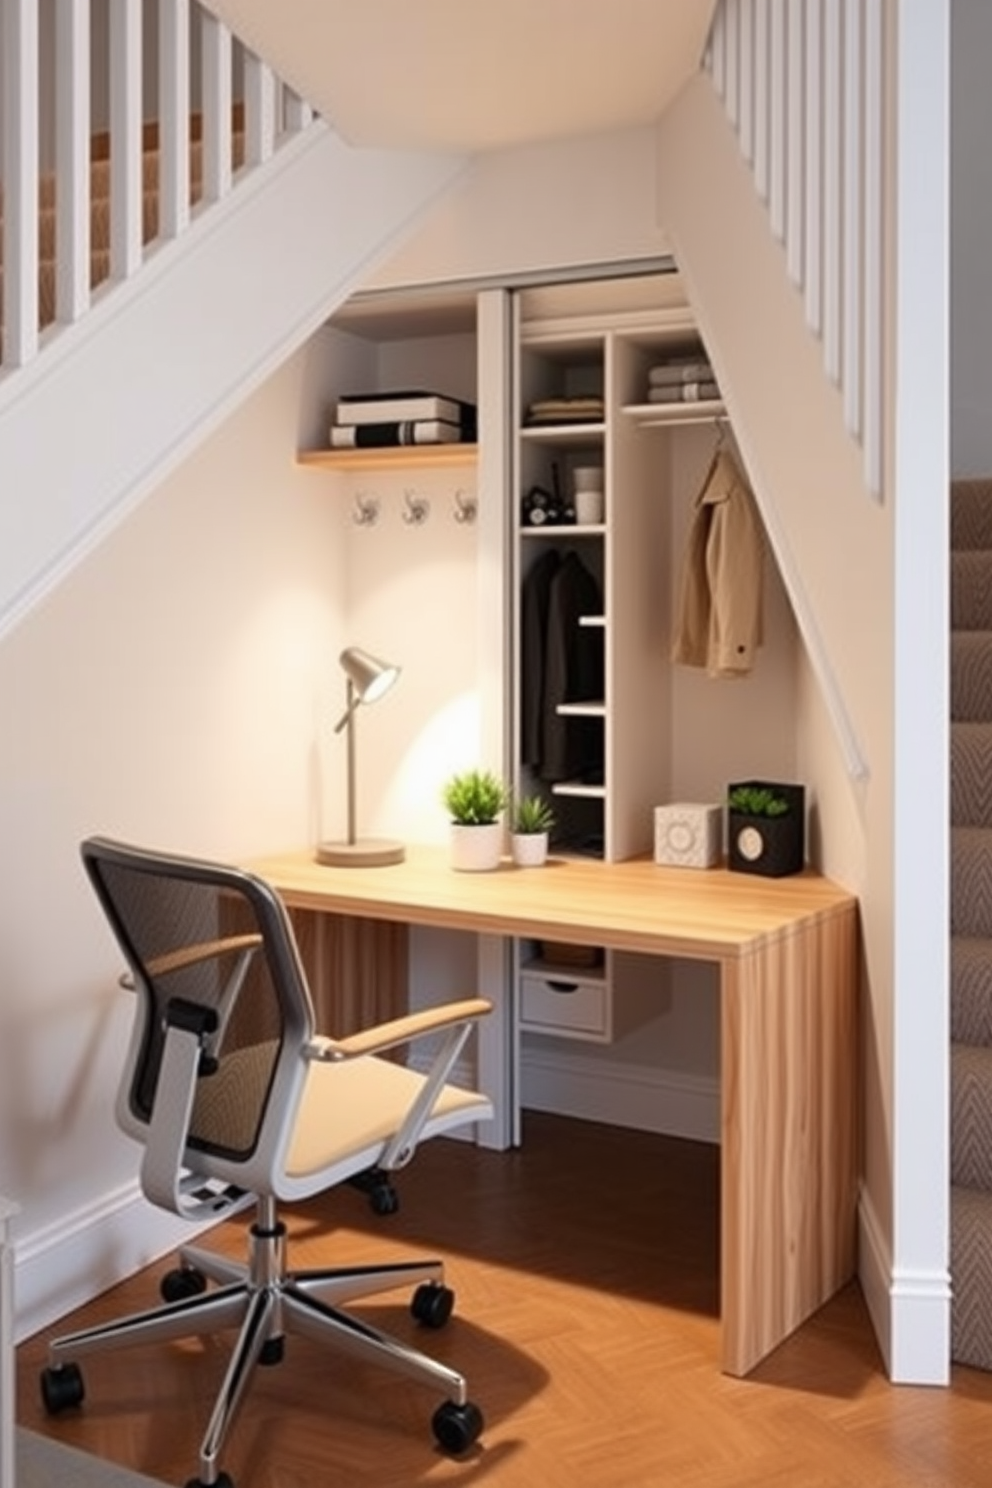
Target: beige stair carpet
<point x="100" y="215"/>
<point x="971" y="923"/>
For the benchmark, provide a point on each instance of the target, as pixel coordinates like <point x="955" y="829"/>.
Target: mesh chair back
<point x="204" y="936"/>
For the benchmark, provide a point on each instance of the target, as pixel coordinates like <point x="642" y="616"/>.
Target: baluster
<point x="20" y="181"/>
<point x="72" y="159"/>
<point x="125" y="138"/>
<point x="217" y="52"/>
<point x="260" y="110"/>
<point x="173" y="115"/>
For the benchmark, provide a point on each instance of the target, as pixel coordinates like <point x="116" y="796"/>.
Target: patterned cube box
<point x="688" y="835"/>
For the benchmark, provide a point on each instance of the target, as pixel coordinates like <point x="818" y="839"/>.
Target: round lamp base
<point x="367" y="852"/>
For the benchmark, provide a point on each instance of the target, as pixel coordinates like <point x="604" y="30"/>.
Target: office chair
<point x="235" y="1097"/>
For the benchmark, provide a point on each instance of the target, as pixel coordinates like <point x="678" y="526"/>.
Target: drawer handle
<point x="554" y="986"/>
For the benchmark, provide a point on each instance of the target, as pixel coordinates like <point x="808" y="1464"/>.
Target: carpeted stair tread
<point x="971" y="514"/>
<point x="971" y="676"/>
<point x="971" y="589"/>
<point x="971" y="922"/>
<point x="971" y="990"/>
<point x="971" y="882"/>
<point x="971" y="1277"/>
<point x="971" y="1116"/>
<point x="971" y="774"/>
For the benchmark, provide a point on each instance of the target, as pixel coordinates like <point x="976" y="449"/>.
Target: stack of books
<point x="586" y="410"/>
<point x="687" y="379"/>
<point x="379" y="420"/>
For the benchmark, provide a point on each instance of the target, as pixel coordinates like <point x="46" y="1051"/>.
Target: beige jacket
<point x="718" y="620"/>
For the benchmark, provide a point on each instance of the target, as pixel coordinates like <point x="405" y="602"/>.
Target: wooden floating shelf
<point x="394" y="457"/>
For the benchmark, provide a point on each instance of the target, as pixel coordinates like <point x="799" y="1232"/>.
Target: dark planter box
<point x="770" y="845"/>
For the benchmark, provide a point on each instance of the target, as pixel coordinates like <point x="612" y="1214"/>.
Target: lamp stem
<point x="350" y="725"/>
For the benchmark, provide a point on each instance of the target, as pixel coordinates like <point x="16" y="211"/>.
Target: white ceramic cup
<point x="589" y="508"/>
<point x="587" y="478"/>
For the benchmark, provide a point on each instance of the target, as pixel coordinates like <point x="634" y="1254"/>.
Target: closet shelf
<point x="581" y="710"/>
<point x="579" y="788"/>
<point x="555" y="529"/>
<point x="395" y="457"/>
<point x="573" y="433"/>
<point x="668" y="415"/>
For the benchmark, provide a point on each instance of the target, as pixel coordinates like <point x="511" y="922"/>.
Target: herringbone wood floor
<point x="586" y="1272"/>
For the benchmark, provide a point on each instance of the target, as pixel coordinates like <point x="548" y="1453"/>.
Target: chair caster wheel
<point x="432" y="1304"/>
<point x="381" y="1194"/>
<point x="384" y="1199"/>
<point x="273" y="1350"/>
<point x="62" y="1388"/>
<point x="457" y="1426"/>
<point x="222" y="1480"/>
<point x="184" y="1282"/>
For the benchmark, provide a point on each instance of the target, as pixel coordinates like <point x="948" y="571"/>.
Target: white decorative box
<point x="688" y="835"/>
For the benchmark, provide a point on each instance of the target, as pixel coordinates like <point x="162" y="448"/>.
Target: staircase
<point x="971" y="922"/>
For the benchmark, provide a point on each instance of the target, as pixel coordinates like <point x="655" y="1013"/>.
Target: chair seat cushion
<point x="356" y="1104"/>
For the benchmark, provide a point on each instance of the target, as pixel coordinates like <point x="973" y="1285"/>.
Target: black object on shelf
<point x="774" y="844"/>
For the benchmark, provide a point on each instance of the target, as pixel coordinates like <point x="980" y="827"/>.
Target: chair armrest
<point x="399" y="1030"/>
<point x="192" y="955"/>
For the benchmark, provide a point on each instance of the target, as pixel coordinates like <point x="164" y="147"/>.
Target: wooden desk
<point x="788" y="956"/>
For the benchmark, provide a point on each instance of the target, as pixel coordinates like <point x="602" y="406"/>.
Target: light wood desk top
<point x="708" y="914"/>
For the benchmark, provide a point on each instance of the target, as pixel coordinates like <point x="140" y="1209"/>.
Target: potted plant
<point x="766" y="827"/>
<point x="475" y="800"/>
<point x="531" y="822"/>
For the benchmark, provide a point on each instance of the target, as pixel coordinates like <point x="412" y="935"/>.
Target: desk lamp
<point x="367" y="680"/>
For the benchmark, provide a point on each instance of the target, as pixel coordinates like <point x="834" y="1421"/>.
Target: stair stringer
<point x="113" y="403"/>
<point x="771" y="376"/>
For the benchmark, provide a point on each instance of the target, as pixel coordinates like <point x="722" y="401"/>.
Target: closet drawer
<point x="560" y="1003"/>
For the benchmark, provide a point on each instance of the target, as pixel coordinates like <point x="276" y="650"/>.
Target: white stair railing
<point x="49" y="273"/>
<point x="804" y="86"/>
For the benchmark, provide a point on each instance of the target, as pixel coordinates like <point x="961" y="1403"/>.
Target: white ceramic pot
<point x="476" y="849"/>
<point x="529" y="849"/>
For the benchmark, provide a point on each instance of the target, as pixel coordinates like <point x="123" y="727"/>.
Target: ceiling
<point x="471" y="75"/>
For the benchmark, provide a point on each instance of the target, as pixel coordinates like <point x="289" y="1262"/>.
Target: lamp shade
<point x="369" y="676"/>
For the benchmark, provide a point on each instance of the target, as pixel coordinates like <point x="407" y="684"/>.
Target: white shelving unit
<point x="621" y="735"/>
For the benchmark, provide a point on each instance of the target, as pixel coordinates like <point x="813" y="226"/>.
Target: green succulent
<point x="474" y="798"/>
<point x="532" y="814"/>
<point x="757" y="800"/>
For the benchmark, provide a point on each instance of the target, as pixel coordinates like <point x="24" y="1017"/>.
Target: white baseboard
<point x="910" y="1310"/>
<point x="669" y="1102"/>
<point x="60" y="1268"/>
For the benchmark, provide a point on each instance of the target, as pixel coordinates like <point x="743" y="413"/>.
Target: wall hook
<point x="366" y="512"/>
<point x="417" y="509"/>
<point x="466" y="506"/>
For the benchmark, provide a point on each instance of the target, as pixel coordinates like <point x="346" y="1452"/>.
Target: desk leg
<point x="499" y="1040"/>
<point x="789" y="1134"/>
<point x="358" y="969"/>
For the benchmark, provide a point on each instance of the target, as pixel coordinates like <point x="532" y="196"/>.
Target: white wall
<point x="971" y="239"/>
<point x="408" y="594"/>
<point x="541" y="208"/>
<point x="174" y="690"/>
